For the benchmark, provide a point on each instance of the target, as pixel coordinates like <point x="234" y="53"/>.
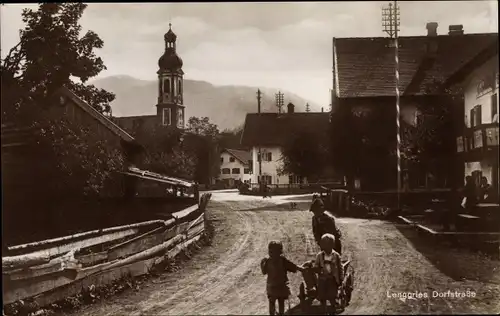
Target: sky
<point x="275" y="45"/>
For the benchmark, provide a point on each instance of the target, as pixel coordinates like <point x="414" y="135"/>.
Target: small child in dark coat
<point x="276" y="267"/>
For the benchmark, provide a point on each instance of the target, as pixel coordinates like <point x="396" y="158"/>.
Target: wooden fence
<point x="50" y="270"/>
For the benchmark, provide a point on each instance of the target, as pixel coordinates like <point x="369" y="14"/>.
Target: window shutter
<point x="472" y="117"/>
<point x="494" y="106"/>
<point x="478" y="115"/>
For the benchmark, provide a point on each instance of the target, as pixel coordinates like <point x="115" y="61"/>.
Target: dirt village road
<point x="225" y="278"/>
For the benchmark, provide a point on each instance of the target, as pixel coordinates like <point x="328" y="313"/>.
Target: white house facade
<point x="235" y="165"/>
<point x="266" y="133"/>
<point x="481" y="116"/>
<point x="270" y="166"/>
<point x="478" y="146"/>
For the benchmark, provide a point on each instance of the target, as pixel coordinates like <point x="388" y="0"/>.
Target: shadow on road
<point x="458" y="264"/>
<point x="282" y="207"/>
<point x="309" y="310"/>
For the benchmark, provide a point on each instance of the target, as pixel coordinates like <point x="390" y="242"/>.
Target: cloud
<point x="283" y="45"/>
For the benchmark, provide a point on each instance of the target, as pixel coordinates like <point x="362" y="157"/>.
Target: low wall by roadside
<point x="415" y="198"/>
<point x="50" y="270"/>
<point x="486" y="242"/>
<point x="288" y="189"/>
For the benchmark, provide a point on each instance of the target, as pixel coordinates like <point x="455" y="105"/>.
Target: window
<point x="166" y="85"/>
<point x="246" y="171"/>
<point x="221" y="159"/>
<point x="460" y="144"/>
<point x="172" y="86"/>
<point x="236" y="171"/>
<point x="265" y="157"/>
<point x="492" y="136"/>
<point x="265" y="179"/>
<point x="226" y="171"/>
<point x="231" y="159"/>
<point x="475" y="116"/>
<point x="494" y="108"/>
<point x="167" y="117"/>
<point x="179" y="87"/>
<point x="478" y="138"/>
<point x="180" y="117"/>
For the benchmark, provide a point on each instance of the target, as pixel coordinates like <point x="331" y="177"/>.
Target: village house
<point x="364" y="81"/>
<point x="266" y="134"/>
<point x="235" y="165"/>
<point x="477" y="143"/>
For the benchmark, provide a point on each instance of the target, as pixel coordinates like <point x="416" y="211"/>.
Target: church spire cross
<point x="169" y="26"/>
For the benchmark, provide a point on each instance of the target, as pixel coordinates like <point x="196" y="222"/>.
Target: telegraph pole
<point x="260" y="151"/>
<point x="279" y="97"/>
<point x="390" y="23"/>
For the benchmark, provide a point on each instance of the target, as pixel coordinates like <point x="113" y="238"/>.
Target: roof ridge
<point x="415" y="36"/>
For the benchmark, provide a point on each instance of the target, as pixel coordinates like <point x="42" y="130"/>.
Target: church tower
<point x="170" y="108"/>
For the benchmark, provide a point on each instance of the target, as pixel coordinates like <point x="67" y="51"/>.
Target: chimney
<point x="431" y="45"/>
<point x="291" y="107"/>
<point x="432" y="29"/>
<point x="456" y="30"/>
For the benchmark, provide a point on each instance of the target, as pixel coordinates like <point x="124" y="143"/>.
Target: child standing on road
<point x="329" y="267"/>
<point x="276" y="266"/>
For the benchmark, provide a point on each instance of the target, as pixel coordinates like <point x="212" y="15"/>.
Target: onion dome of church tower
<point x="170" y="60"/>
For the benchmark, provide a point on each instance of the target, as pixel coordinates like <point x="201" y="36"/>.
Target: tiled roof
<point x="477" y="61"/>
<point x="242" y="155"/>
<point x="366" y="66"/>
<point x="272" y="129"/>
<point x="131" y="123"/>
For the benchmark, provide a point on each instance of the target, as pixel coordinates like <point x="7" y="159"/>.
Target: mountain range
<point x="225" y="106"/>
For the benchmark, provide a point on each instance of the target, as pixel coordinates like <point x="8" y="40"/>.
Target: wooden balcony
<point x="478" y="139"/>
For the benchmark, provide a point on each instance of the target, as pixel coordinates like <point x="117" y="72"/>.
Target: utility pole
<point x="259" y="158"/>
<point x="308" y="107"/>
<point x="390" y="23"/>
<point x="279" y="97"/>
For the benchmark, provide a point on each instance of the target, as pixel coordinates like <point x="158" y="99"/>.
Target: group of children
<point x="327" y="265"/>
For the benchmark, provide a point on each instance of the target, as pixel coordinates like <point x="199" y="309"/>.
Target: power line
<point x="259" y="158"/>
<point x="280" y="102"/>
<point x="390" y="24"/>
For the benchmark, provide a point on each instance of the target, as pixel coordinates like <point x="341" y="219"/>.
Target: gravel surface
<point x="388" y="258"/>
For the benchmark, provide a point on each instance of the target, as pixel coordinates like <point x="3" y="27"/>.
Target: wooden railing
<point x="50" y="270"/>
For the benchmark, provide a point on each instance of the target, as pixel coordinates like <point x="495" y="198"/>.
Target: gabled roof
<point x="365" y="67"/>
<point x="273" y="129"/>
<point x="242" y="155"/>
<point x="477" y="61"/>
<point x="95" y="114"/>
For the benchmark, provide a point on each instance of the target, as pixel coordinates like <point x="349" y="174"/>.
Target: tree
<point x="202" y="127"/>
<point x="166" y="153"/>
<point x="431" y="142"/>
<point x="51" y="53"/>
<point x="202" y="140"/>
<point x="305" y="154"/>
